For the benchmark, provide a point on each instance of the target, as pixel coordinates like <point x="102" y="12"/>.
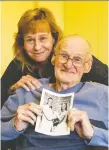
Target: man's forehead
<point x="74" y="45"/>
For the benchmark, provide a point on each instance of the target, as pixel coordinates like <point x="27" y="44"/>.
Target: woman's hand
<point x="79" y="121"/>
<point x="26" y="114"/>
<point x="27" y="82"/>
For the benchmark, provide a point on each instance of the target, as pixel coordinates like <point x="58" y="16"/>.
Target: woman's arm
<point x="12" y="74"/>
<point x="14" y="78"/>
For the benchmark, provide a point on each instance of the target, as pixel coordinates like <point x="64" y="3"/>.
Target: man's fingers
<point x="37" y="109"/>
<point x="31" y="115"/>
<point x="74" y="116"/>
<point x="71" y="113"/>
<point x="34" y="108"/>
<point x="22" y="117"/>
<point x="71" y="123"/>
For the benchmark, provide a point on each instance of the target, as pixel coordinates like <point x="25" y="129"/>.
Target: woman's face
<point x="39" y="45"/>
<point x="63" y="106"/>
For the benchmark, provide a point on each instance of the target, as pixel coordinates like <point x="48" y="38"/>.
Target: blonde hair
<point x="33" y="21"/>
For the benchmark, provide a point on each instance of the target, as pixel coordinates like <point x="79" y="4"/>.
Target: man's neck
<point x="60" y="86"/>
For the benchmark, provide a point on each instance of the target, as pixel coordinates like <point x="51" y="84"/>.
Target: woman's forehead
<point x="37" y="34"/>
<point x="36" y="27"/>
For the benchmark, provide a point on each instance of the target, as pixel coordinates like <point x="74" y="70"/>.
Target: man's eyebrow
<point x="79" y="55"/>
<point x="76" y="55"/>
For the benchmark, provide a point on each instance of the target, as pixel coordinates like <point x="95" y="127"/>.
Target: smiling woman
<point x="35" y="40"/>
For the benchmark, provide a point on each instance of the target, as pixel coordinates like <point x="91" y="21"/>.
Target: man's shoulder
<point x="44" y="83"/>
<point x="20" y="91"/>
<point x="95" y="85"/>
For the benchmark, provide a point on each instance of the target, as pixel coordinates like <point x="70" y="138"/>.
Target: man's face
<point x="71" y="71"/>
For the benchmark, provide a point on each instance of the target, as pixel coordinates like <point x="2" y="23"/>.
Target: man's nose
<point x="69" y="64"/>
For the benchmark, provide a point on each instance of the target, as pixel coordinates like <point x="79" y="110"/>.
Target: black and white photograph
<point x="55" y="108"/>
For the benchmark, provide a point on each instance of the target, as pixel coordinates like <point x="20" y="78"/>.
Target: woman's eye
<point x="30" y="41"/>
<point x="43" y="38"/>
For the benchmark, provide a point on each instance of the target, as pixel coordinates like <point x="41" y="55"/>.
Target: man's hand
<point x="26" y="114"/>
<point x="79" y="121"/>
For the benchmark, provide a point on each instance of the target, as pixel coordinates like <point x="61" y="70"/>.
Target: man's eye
<point x="64" y="56"/>
<point x="77" y="59"/>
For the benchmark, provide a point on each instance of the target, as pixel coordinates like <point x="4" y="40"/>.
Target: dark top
<point x="13" y="73"/>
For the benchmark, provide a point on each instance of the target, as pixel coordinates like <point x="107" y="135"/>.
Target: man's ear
<point x="53" y="59"/>
<point x="88" y="66"/>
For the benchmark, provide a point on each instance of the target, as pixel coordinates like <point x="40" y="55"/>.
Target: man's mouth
<point x="68" y="71"/>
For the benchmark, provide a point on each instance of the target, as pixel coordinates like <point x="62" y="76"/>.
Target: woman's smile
<point x="38" y="53"/>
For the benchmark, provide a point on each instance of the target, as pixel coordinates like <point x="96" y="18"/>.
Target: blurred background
<point x="86" y="18"/>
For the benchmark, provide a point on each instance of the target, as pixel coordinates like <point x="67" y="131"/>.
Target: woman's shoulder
<point x="99" y="67"/>
<point x="13" y="66"/>
<point x="98" y="72"/>
<point x="12" y="71"/>
<point x="15" y="63"/>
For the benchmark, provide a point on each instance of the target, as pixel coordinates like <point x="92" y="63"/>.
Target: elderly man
<point x="88" y="117"/>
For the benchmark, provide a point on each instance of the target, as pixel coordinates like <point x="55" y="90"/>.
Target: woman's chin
<point x="39" y="59"/>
